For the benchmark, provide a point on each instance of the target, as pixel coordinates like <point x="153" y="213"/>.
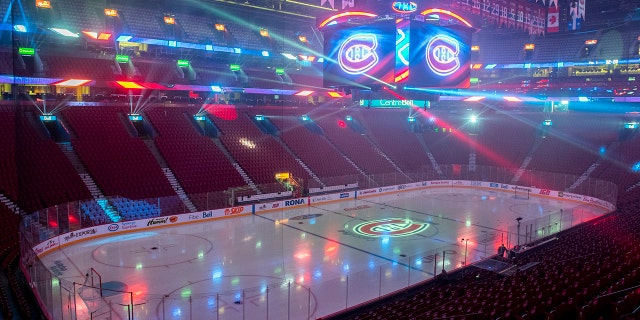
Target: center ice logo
<point x="392" y="227"/>
<point x="357" y="53"/>
<point x="442" y="55"/>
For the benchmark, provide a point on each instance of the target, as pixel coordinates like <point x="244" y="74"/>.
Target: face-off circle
<point x="150" y="250"/>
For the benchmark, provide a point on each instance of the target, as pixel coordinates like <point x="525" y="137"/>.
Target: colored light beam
<point x="474" y="99"/>
<point x="347" y="14"/>
<point x="275" y="35"/>
<point x="458" y="134"/>
<point x="448" y="13"/>
<point x="512" y="99"/>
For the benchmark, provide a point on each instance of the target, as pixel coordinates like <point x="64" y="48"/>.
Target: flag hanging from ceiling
<point x="553" y="3"/>
<point x="553" y="20"/>
<point x="347" y="4"/>
<point x="582" y="8"/>
<point x="331" y="3"/>
<point x="575" y="22"/>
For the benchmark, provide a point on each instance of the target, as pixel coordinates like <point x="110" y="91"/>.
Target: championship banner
<point x="542" y="20"/>
<point x="495" y="9"/>
<point x="520" y="25"/>
<point x="538" y="18"/>
<point x="513" y="8"/>
<point x="518" y="14"/>
<point x="504" y="13"/>
<point x="528" y="22"/>
<point x="475" y="7"/>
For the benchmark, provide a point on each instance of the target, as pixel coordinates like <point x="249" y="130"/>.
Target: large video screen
<point x="359" y="55"/>
<point x="440" y="57"/>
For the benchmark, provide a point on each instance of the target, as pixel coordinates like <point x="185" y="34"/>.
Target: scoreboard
<point x="357" y="55"/>
<point x="397" y="51"/>
<point x="439" y="57"/>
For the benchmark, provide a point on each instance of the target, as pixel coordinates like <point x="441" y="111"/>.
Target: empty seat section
<point x="312" y="148"/>
<point x="157" y="71"/>
<point x="67" y="67"/>
<point x="47" y="177"/>
<point x="6" y="62"/>
<point x="8" y="166"/>
<point x="258" y="154"/>
<point x="264" y="79"/>
<point x="505" y="141"/>
<point x="207" y="73"/>
<point x="135" y="209"/>
<point x="84" y="15"/>
<point x="120" y="164"/>
<point x="195" y="160"/>
<point x="392" y="133"/>
<point x="448" y="140"/>
<point x="571" y="145"/>
<point x="621" y="165"/>
<point x="143" y="22"/>
<point x="310" y="78"/>
<point x="353" y="144"/>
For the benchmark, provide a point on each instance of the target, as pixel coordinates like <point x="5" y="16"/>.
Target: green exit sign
<point x="26" y="51"/>
<point x="120" y="58"/>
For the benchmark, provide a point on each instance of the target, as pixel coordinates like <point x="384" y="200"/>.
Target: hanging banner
<point x="475" y="7"/>
<point x="494" y="13"/>
<point x="520" y="21"/>
<point x="504" y="13"/>
<point x="513" y="13"/>
<point x="553" y="20"/>
<point x="582" y="8"/>
<point x="516" y="14"/>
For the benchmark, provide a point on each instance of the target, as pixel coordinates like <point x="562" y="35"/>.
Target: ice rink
<point x="301" y="263"/>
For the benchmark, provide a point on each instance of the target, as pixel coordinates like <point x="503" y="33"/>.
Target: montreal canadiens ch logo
<point x="392" y="227"/>
<point x="357" y="53"/>
<point x="442" y="55"/>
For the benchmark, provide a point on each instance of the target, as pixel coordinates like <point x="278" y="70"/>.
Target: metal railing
<point x="279" y="298"/>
